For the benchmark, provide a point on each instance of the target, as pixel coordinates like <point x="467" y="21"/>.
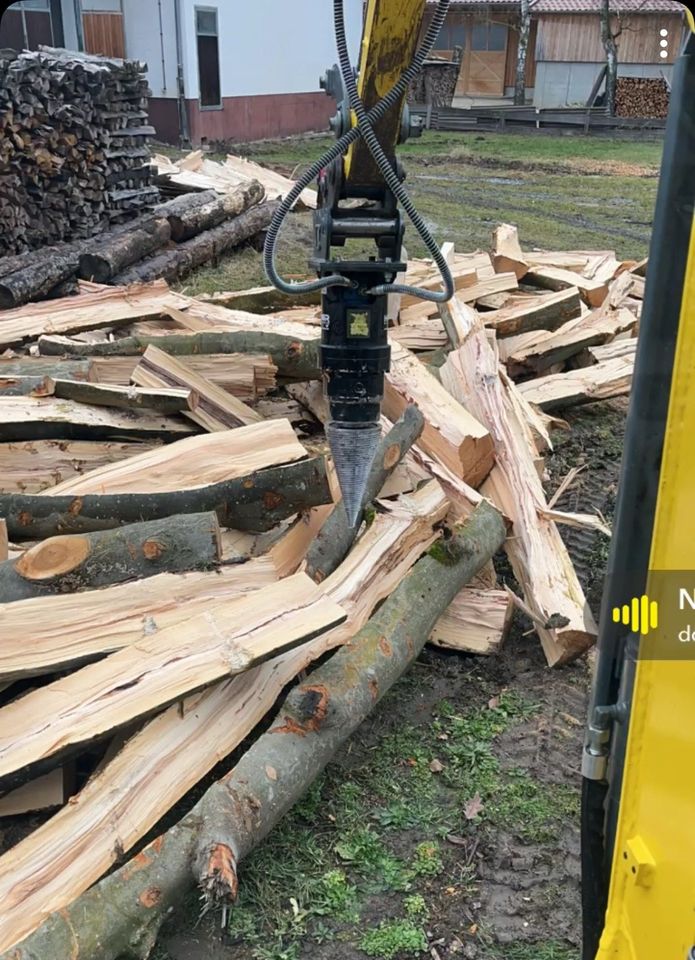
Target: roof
<point x="478" y="3"/>
<point x="618" y="6"/>
<point x="578" y="6"/>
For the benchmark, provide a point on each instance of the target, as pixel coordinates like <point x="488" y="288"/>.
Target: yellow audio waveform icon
<point x="641" y="614"/>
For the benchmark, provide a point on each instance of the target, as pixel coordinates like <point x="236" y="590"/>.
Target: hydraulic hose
<point x="337" y="150"/>
<point x="388" y="173"/>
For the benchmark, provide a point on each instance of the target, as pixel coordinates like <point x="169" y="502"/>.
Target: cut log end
<point x="53" y="558"/>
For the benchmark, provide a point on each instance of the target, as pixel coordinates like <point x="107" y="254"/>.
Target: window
<point x="451" y="35"/>
<point x="489" y="36"/>
<point x="26" y="25"/>
<point x="208" y="56"/>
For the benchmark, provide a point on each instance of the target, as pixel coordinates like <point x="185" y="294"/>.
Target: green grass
<point x="527" y="147"/>
<point x="393" y="938"/>
<point x="556" y="189"/>
<point x="379" y="831"/>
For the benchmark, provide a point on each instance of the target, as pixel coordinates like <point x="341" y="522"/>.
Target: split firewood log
<point x="317" y="717"/>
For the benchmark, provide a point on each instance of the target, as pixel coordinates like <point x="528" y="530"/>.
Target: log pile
<point x="173" y="473"/>
<point x="196" y="172"/>
<point x="639" y="97"/>
<point x="175" y="238"/>
<point x="73" y="146"/>
<point x="436" y="83"/>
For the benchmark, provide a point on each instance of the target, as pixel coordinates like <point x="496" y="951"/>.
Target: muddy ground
<point x="382" y="859"/>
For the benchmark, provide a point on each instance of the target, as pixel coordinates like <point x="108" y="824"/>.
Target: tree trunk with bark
<point x="191" y="222"/>
<point x="114" y="253"/>
<point x="524" y="30"/>
<point x="256" y="502"/>
<point x="295" y="359"/>
<point x="36" y="280"/>
<point x="64" y="564"/>
<point x="608" y="39"/>
<point x="207" y="246"/>
<point x="119" y="918"/>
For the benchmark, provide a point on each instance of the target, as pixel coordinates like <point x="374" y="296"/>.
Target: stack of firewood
<point x="646" y="97"/>
<point x="177" y="554"/>
<point x="436" y="83"/>
<point x="73" y="146"/>
<point x="168" y="243"/>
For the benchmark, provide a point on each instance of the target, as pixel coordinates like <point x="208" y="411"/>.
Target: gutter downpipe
<point x="181" y="91"/>
<point x="77" y="4"/>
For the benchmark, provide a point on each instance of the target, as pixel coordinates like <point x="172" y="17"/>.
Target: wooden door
<point x="486" y="73"/>
<point x="103" y="33"/>
<point x="484" y="61"/>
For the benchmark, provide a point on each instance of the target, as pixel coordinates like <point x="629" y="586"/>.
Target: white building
<point x="220" y="70"/>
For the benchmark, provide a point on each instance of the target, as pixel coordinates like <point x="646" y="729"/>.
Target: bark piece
<point x="33" y="466"/>
<point x="104" y="308"/>
<point x="215" y="409"/>
<point x="545" y="312"/>
<point x="451" y="434"/>
<point x="163" y="400"/>
<point x="477" y="621"/>
<point x="32" y="418"/>
<point x="229" y="638"/>
<point x="64" y="564"/>
<point x="113" y="254"/>
<point x="506" y="251"/>
<point x="537" y="553"/>
<point x="610" y="378"/>
<point x="34" y="631"/>
<point x="337" y="535"/>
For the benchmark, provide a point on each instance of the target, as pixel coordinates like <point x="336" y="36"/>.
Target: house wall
<point x="157" y="48"/>
<point x="271" y="54"/>
<point x="569" y="84"/>
<point x="569" y="54"/>
<point x="577" y="38"/>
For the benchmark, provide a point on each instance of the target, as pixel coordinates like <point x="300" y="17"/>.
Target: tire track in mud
<point x="492" y="203"/>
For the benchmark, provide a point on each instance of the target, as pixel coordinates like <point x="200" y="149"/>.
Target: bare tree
<point x="609" y="36"/>
<point x="524" y="30"/>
